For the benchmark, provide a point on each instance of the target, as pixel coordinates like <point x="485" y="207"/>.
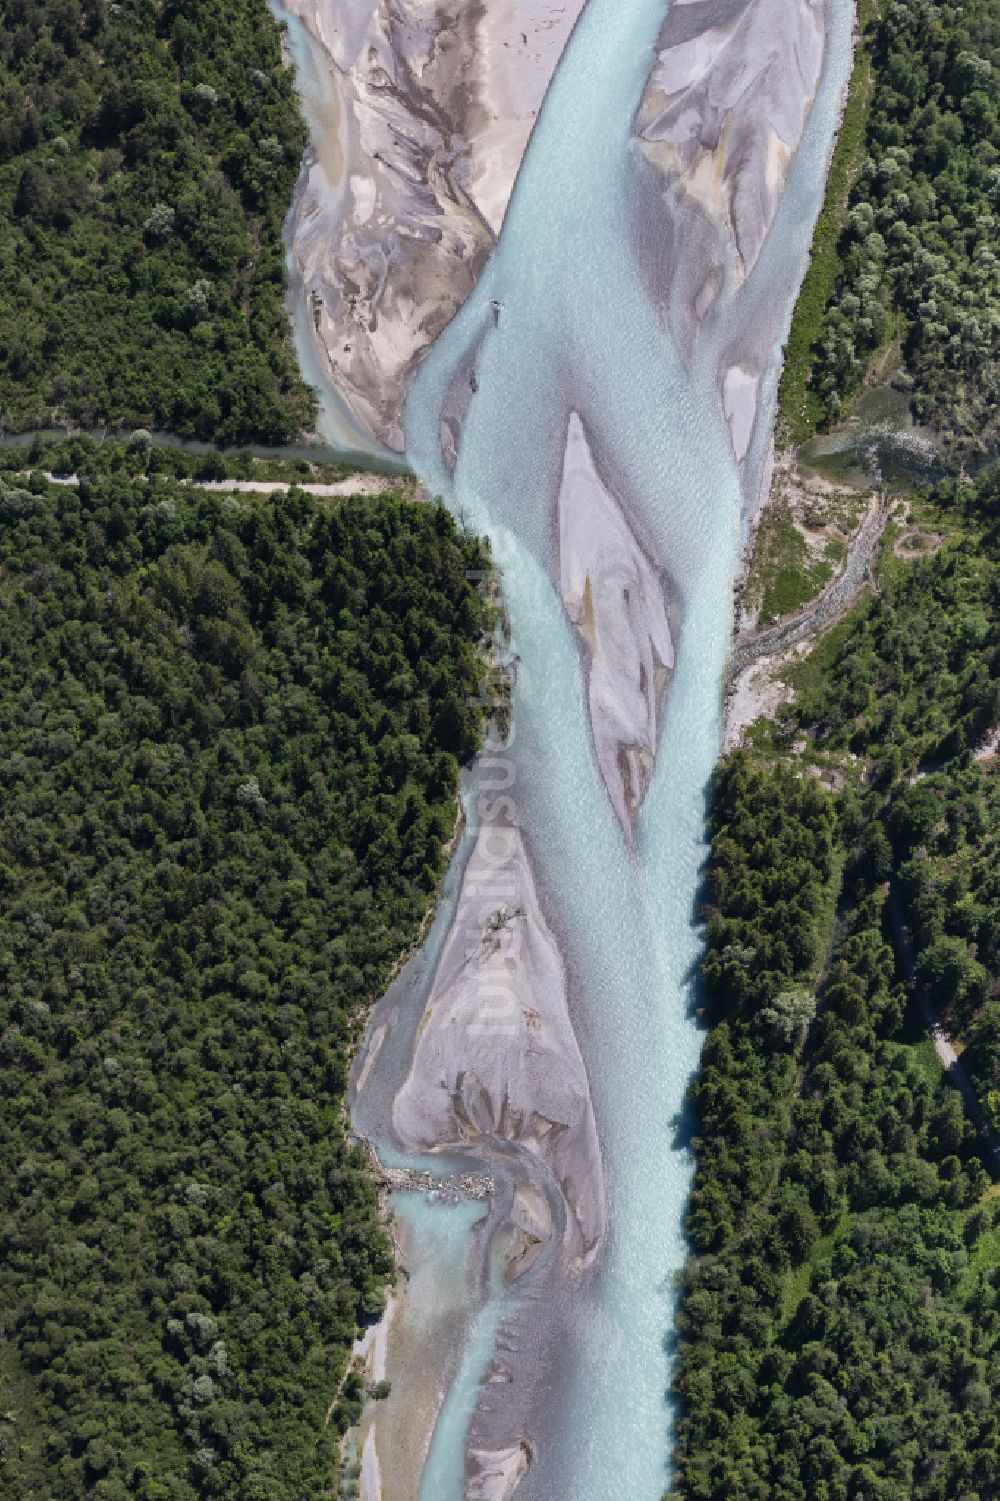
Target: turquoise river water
<point x="579" y="330"/>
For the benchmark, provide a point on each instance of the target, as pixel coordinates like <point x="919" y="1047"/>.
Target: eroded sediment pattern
<point x="725" y="108"/>
<point x="402" y="195"/>
<point x="496" y="1057"/>
<point x="721" y="118"/>
<point x="496" y="1072"/>
<point x="492" y="1074"/>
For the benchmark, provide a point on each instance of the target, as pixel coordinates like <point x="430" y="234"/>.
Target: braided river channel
<point x="554" y="1384"/>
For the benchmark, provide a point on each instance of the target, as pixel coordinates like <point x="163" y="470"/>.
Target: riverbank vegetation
<point x="785" y="572"/>
<point x="911" y="686"/>
<point x="229" y="746"/>
<point x="840" y="1324"/>
<point x="915" y="251"/>
<point x="148" y="155"/>
<point x="800" y="410"/>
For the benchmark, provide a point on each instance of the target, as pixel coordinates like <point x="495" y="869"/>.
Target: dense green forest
<point x="229" y="748"/>
<point x="910" y="684"/>
<point x="917" y="255"/>
<point x="148" y="155"/>
<point x="800" y="410"/>
<point x="840" y="1325"/>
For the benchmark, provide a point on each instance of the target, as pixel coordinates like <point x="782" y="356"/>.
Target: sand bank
<point x="489" y="1073"/>
<point x="496" y="1057"/>
<point x="724" y="110"/>
<point x="418" y="1350"/>
<point x="431" y="105"/>
<point x="616" y="596"/>
<point x="721" y="118"/>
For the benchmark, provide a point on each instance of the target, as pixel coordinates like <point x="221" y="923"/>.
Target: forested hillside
<point x="841" y="1319"/>
<point x="917" y="254"/>
<point x="229" y="748"/>
<point x="148" y="155"/>
<point x="911" y="686"/>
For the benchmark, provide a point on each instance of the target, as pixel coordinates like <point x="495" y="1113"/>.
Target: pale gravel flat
<point x="496" y="1056"/>
<point x="424" y="1335"/>
<point x="362" y="483"/>
<point x="616" y="596"/>
<point x="435" y="101"/>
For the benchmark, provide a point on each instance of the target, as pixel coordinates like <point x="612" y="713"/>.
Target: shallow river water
<point x="577" y="329"/>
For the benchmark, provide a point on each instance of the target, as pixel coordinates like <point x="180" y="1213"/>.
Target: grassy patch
<point x="987" y="1249"/>
<point x="805" y="675"/>
<point x="842" y="509"/>
<point x="784" y="575"/>
<point x="984" y="1253"/>
<point x="798" y="1279"/>
<point x="923" y="1055"/>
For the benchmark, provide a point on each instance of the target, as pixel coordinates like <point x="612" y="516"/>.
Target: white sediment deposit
<point x="725" y="108"/>
<point x="617" y="599"/>
<point x="739" y="400"/>
<point x="721" y="118"/>
<point x="364" y="483"/>
<point x="370" y="1479"/>
<point x="495" y="1073"/>
<point x="496" y="1057"/>
<point x="495" y="1477"/>
<point x="429" y="106"/>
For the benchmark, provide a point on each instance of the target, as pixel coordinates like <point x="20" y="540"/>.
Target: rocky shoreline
<point x="450" y="1190"/>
